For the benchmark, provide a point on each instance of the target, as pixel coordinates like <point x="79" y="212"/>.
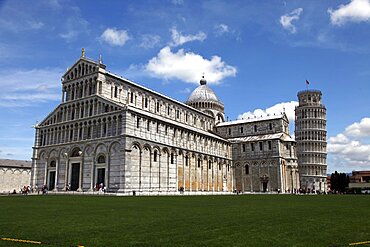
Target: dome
<point x="203" y="94"/>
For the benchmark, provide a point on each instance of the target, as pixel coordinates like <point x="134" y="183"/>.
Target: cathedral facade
<point x="109" y="131"/>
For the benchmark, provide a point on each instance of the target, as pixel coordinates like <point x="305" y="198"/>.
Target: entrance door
<point x="75" y="176"/>
<point x="51" y="180"/>
<point x="101" y="176"/>
<point x="264" y="186"/>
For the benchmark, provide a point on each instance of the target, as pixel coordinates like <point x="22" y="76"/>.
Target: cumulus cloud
<point x="115" y="37"/>
<point x="286" y="20"/>
<point x="287" y="107"/>
<point x="179" y="39"/>
<point x="361" y="129"/>
<point x="339" y="139"/>
<point x="149" y="41"/>
<point x="21" y="88"/>
<point x="350" y="149"/>
<point x="188" y="66"/>
<point x="355" y="11"/>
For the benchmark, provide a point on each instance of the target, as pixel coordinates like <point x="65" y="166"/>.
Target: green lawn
<point x="245" y="220"/>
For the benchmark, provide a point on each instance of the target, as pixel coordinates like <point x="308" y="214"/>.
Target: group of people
<point x="100" y="187"/>
<point x="27" y="189"/>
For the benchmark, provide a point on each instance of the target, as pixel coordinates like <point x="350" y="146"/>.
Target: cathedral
<point x="114" y="133"/>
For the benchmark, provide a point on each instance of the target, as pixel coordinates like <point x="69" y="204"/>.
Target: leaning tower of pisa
<point x="310" y="134"/>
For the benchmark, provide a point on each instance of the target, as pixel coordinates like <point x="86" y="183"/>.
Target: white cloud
<point x="115" y="37"/>
<point x="179" y="39"/>
<point x="350" y="149"/>
<point x="221" y="29"/>
<point x="149" y="41"/>
<point x="355" y="11"/>
<point x="339" y="139"/>
<point x="286" y="20"/>
<point x="287" y="107"/>
<point x="361" y="129"/>
<point x="21" y="88"/>
<point x="188" y="67"/>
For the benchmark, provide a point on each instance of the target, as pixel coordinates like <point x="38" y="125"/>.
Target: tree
<point x="339" y="182"/>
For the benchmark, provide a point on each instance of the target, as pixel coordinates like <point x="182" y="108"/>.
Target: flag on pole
<point x="307" y="82"/>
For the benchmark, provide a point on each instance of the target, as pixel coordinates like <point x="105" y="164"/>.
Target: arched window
<point x="186" y="161"/>
<point x="101" y="159"/>
<point x="209" y="164"/>
<point x="155" y="155"/>
<point x="172" y="158"/>
<point x="246" y="169"/>
<point x="199" y="162"/>
<point x="53" y="163"/>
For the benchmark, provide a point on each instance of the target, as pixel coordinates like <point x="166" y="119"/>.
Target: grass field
<point x="248" y="220"/>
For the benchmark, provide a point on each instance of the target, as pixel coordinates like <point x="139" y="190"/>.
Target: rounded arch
<point x="114" y="147"/>
<point x="53" y="154"/>
<point x="53" y="163"/>
<point x="43" y="155"/>
<point x="75" y="152"/>
<point x="147" y="147"/>
<point x="209" y="112"/>
<point x="165" y="150"/>
<point x="220" y="117"/>
<point x="136" y="144"/>
<point x="101" y="158"/>
<point x="156" y="148"/>
<point x="246" y="169"/>
<point x="101" y="148"/>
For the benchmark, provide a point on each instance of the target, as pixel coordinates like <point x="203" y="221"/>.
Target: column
<point x="63" y="94"/>
<point x="45" y="173"/>
<point x="56" y="175"/>
<point x="92" y="171"/>
<point x="81" y="173"/>
<point x="150" y="169"/>
<point x="66" y="173"/>
<point x="159" y="170"/>
<point x="107" y="170"/>
<point x="75" y="90"/>
<point x="83" y="89"/>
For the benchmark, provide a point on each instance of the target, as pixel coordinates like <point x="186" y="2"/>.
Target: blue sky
<point x="256" y="55"/>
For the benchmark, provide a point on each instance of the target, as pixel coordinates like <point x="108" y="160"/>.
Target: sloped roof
<point x="16" y="163"/>
<point x="254" y="138"/>
<point x="254" y="119"/>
